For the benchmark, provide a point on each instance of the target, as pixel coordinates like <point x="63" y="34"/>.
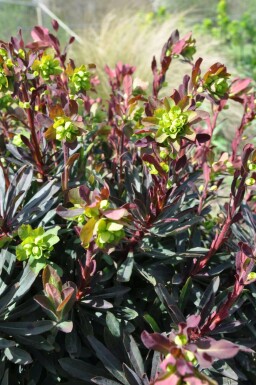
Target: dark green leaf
<point x="125" y="270"/>
<point x="113" y="325"/>
<point x="26" y="328"/>
<point x="18" y="356"/>
<point x="78" y="368"/>
<point x="134" y="355"/>
<point x="111" y="363"/>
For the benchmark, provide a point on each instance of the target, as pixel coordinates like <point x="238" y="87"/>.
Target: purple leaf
<point x="202" y="138"/>
<point x="115" y="214"/>
<point x="184" y="367"/>
<point x="156" y="341"/>
<point x="44" y="301"/>
<point x="208" y="350"/>
<point x="181" y="162"/>
<point x="68" y="213"/>
<point x="44" y="120"/>
<point x="55" y="25"/>
<point x="239" y="85"/>
<point x="39" y="33"/>
<point x="53" y="293"/>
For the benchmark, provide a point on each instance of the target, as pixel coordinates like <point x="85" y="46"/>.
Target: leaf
<point x="113" y="325"/>
<point x="112" y="292"/>
<point x="53" y="231"/>
<point x="5" y="379"/>
<point x="202" y="138"/>
<point x="115" y="215"/>
<point x="18" y="189"/>
<point x="26" y="280"/>
<point x="69" y="213"/>
<point x="37" y="265"/>
<point x="127" y="313"/>
<point x="53" y="294"/>
<point x="87" y="232"/>
<point x="113" y="226"/>
<point x="21" y="253"/>
<point x="209" y="349"/>
<point x="2" y="192"/>
<point x="36" y="342"/>
<point x="78" y="368"/>
<point x="170" y="303"/>
<point x="26" y="328"/>
<point x="111" y="363"/>
<point x="145" y="274"/>
<point x="51" y="276"/>
<point x="104" y="381"/>
<point x="185" y="293"/>
<point x="153" y="324"/>
<point x="7" y="298"/>
<point x="208" y="299"/>
<point x="40" y="203"/>
<point x="125" y="270"/>
<point x="65" y="327"/>
<point x="97" y="303"/>
<point x="134" y="355"/>
<point x="24" y="231"/>
<point x="73" y="343"/>
<point x="4" y="343"/>
<point x="67" y="303"/>
<point x="18" y="356"/>
<point x="156" y="341"/>
<point x="43" y="120"/>
<point x="155" y="365"/>
<point x="131" y="376"/>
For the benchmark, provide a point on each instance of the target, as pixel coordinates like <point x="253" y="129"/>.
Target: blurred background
<point x="131" y="28"/>
<point x="108" y="31"/>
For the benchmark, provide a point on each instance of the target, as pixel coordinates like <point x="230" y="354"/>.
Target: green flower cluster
<point x="3" y="80"/>
<point x="36" y="244"/>
<point x="172" y="123"/>
<point x="47" y="66"/>
<point x="153" y="170"/>
<point x="217" y="85"/>
<point x="190" y="49"/>
<point x="108" y="231"/>
<point x="65" y="129"/>
<point x="4" y="72"/>
<point x="80" y="79"/>
<point x="5" y="101"/>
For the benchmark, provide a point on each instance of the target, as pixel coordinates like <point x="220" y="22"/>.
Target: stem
<point x="216" y="244"/>
<point x="236" y="141"/>
<point x="121" y="159"/>
<point x="65" y="175"/>
<point x="31" y="122"/>
<point x="223" y="312"/>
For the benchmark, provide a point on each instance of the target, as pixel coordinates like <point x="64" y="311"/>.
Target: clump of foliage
<point x="237" y="34"/>
<point x="127" y="238"/>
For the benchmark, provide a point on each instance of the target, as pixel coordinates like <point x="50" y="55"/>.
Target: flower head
<point x="108" y="232"/>
<point x="65" y="129"/>
<point x="47" y="66"/>
<point x="80" y="79"/>
<point x="36" y="244"/>
<point x="215" y="81"/>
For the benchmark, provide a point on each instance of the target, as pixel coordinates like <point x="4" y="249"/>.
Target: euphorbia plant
<point x="120" y="219"/>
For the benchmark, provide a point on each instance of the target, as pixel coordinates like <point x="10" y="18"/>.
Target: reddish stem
<point x="31" y="122"/>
